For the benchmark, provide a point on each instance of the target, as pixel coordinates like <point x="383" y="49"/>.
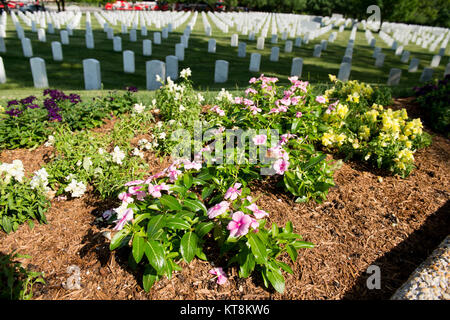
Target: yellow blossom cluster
<point x="404" y="158"/>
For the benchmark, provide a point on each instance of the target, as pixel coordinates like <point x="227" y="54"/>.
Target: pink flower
<point x="280" y="166"/>
<point x="134" y="190"/>
<point x="260" y="139"/>
<point x="126" y="197"/>
<point x="250" y="90"/>
<point x="155" y="176"/>
<point x="238" y="100"/>
<point x="321" y="99"/>
<point x="133" y="183"/>
<point x="221" y="276"/>
<point x="188" y="165"/>
<point x="293" y="79"/>
<point x="298" y="114"/>
<point x="128" y="216"/>
<point x="254" y="225"/>
<point x="252" y="80"/>
<point x="219" y="111"/>
<point x="155" y="190"/>
<point x="254" y="109"/>
<point x="285" y="138"/>
<point x="259" y="214"/>
<point x="239" y="224"/>
<point x="173" y="174"/>
<point x="218" y="209"/>
<point x="233" y="192"/>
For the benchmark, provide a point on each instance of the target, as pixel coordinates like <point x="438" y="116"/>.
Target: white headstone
<point x="221" y="71"/>
<point x="414" y="65"/>
<point x="255" y="62"/>
<point x="147" y="47"/>
<point x="234" y="40"/>
<point x="39" y="72"/>
<point x="317" y="50"/>
<point x="435" y="61"/>
<point x="2" y="71"/>
<point x="380" y="60"/>
<point x="64" y="37"/>
<point x="109" y="33"/>
<point x="89" y="40"/>
<point x="344" y="71"/>
<point x="92" y="75"/>
<point x="2" y="45"/>
<point x="128" y="61"/>
<point x="298" y="42"/>
<point x="274" y="38"/>
<point x="172" y="67"/>
<point x="26" y="48"/>
<point x="274" y="54"/>
<point x="288" y="46"/>
<point x="143" y="31"/>
<point x="376" y="51"/>
<point x="156" y="38"/>
<point x="165" y="33"/>
<point x="405" y="56"/>
<point x="394" y="77"/>
<point x="57" y="51"/>
<point x="447" y="70"/>
<point x="50" y="28"/>
<point x="297" y="66"/>
<point x="179" y="51"/>
<point x="117" y="44"/>
<point x="212" y="46"/>
<point x="242" y="49"/>
<point x="427" y="75"/>
<point x="184" y="40"/>
<point x="133" y="36"/>
<point x="155" y="68"/>
<point x="260" y="43"/>
<point x="41" y="35"/>
<point x="324" y="44"/>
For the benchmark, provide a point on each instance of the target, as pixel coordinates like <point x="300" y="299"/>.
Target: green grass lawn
<point x="68" y="74"/>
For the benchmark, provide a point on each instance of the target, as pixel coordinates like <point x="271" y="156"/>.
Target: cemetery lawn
<point x="393" y="223"/>
<point x="68" y="74"/>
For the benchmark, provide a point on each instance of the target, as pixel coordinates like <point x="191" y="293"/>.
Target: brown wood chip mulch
<point x="394" y="224"/>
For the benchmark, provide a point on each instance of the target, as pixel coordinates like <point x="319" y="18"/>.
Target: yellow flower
<point x="364" y="132"/>
<point x="341" y="110"/>
<point x="371" y="115"/>
<point x="408" y="144"/>
<point x="340" y="139"/>
<point x="332" y="77"/>
<point x="328" y="138"/>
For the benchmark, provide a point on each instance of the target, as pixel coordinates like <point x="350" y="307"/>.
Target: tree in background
<point x="61" y="5"/>
<point x="5" y="5"/>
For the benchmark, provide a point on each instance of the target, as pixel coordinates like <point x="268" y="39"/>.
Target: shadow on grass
<point x="397" y="265"/>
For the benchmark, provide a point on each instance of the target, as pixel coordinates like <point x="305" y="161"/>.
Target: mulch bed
<point x="390" y="222"/>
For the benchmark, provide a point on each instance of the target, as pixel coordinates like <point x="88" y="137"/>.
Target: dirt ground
<point x="393" y="224"/>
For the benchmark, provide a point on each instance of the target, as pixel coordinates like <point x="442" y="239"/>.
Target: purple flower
<point x="12" y="103"/>
<point x="132" y="89"/>
<point x="28" y="100"/>
<point x="14" y="112"/>
<point x="239" y="224"/>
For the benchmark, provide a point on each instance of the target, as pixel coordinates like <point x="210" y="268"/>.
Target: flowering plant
<point x="22" y="199"/>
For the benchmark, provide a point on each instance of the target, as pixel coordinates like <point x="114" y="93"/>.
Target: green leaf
<point x="155" y="255"/>
<point x="138" y="248"/>
<point x="246" y="262"/>
<point x="288" y="228"/>
<point x="177" y="224"/>
<point x="149" y="278"/>
<point x="302" y="244"/>
<point x="258" y="248"/>
<point x="154" y="225"/>
<point x="116" y="241"/>
<point x="313" y="161"/>
<point x="204" y="228"/>
<point x="170" y="202"/>
<point x="276" y="278"/>
<point x="187" y="180"/>
<point x="206" y="192"/>
<point x="194" y="205"/>
<point x="188" y="247"/>
<point x="292" y="252"/>
<point x="284" y="266"/>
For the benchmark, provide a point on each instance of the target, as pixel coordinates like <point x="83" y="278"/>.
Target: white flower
<point x="182" y="108"/>
<point x="87" y="163"/>
<point x="224" y="95"/>
<point x="154" y="102"/>
<point x="171" y="122"/>
<point x="162" y="135"/>
<point x="159" y="124"/>
<point x="79" y="163"/>
<point x="200" y="98"/>
<point x="12" y="170"/>
<point x="185" y="73"/>
<point x="50" y="141"/>
<point x="138" y="153"/>
<point x="101" y="151"/>
<point x="117" y="155"/>
<point x="158" y="78"/>
<point x="138" y="108"/>
<point x="77" y="189"/>
<point x="98" y="171"/>
<point x="40" y="180"/>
